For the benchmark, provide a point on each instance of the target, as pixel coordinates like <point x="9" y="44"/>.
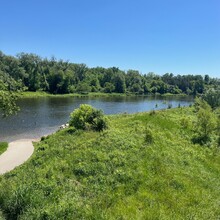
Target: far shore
<point x="29" y="94"/>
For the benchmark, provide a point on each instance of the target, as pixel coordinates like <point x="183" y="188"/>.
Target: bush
<point x="184" y="122"/>
<point x="212" y="97"/>
<point x="86" y="117"/>
<point x="201" y="139"/>
<point x="218" y="141"/>
<point x="71" y="130"/>
<point x="148" y="135"/>
<point x="152" y="112"/>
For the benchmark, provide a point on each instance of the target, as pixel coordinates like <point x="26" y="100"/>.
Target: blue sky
<point x="178" y="36"/>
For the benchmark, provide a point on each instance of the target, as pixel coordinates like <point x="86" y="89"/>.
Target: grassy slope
<point x="3" y="147"/>
<point x="117" y="175"/>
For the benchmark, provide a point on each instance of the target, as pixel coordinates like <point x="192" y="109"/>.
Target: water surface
<point x="44" y="115"/>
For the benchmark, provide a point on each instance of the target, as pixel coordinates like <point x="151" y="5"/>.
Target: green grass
<point x="3" y="147"/>
<point x="37" y="94"/>
<point x="118" y="173"/>
<point x="28" y="94"/>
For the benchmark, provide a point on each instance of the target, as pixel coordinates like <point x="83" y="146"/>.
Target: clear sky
<point x="178" y="36"/>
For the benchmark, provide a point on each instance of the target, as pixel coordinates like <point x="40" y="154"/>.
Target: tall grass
<point x="143" y="167"/>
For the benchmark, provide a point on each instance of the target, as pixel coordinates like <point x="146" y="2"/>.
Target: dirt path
<point x="17" y="153"/>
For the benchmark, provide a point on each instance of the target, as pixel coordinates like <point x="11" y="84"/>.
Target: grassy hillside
<point x="143" y="167"/>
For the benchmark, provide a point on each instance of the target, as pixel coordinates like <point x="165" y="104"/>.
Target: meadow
<point x="144" y="166"/>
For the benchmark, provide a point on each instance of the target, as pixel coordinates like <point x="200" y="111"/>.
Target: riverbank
<point x="144" y="166"/>
<point x="28" y="94"/>
<point x="43" y="115"/>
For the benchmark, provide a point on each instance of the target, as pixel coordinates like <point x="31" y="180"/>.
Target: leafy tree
<point x="58" y="76"/>
<point x="207" y="79"/>
<point x="83" y="88"/>
<point x="212" y="97"/>
<point x="7" y="103"/>
<point x="119" y="82"/>
<point x="56" y="80"/>
<point x="109" y="87"/>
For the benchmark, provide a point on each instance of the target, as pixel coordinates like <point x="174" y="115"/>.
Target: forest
<point x="30" y="72"/>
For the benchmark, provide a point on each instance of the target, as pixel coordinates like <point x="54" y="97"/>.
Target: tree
<point x="212" y="97"/>
<point x="7" y="98"/>
<point x="207" y="79"/>
<point x="7" y="103"/>
<point x="109" y="87"/>
<point x="119" y="82"/>
<point x="83" y="88"/>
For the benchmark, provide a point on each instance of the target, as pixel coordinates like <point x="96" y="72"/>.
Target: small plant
<point x="148" y="135"/>
<point x="152" y="112"/>
<point x="169" y="106"/>
<point x="86" y="117"/>
<point x="184" y="122"/>
<point x="71" y="130"/>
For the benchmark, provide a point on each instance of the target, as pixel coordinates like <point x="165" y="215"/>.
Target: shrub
<point x="218" y="141"/>
<point x="212" y="97"/>
<point x="71" y="130"/>
<point x="206" y="123"/>
<point x="86" y="117"/>
<point x="184" y="122"/>
<point x="3" y="147"/>
<point x="152" y="112"/>
<point x="201" y="139"/>
<point x="148" y="135"/>
<point x="169" y="106"/>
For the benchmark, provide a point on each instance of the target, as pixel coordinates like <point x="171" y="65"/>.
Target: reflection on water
<point x="41" y="116"/>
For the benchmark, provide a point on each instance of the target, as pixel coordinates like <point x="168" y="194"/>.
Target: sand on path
<point x="17" y="153"/>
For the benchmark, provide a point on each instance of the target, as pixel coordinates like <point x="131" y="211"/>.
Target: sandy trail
<point x="17" y="153"/>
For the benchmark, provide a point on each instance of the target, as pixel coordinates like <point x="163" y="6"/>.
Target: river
<point x="42" y="116"/>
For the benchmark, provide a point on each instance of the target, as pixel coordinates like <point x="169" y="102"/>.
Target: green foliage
<point x="117" y="174"/>
<point x="3" y="147"/>
<point x="83" y="88"/>
<point x="205" y="123"/>
<point x="152" y="112"/>
<point x="109" y="87"/>
<point x="212" y="97"/>
<point x="185" y="122"/>
<point x="86" y="118"/>
<point x="71" y="130"/>
<point x="218" y="141"/>
<point x="148" y="135"/>
<point x="7" y="103"/>
<point x="200" y="103"/>
<point x="60" y="77"/>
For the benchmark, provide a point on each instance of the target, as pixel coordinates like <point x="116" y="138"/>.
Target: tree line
<point x="32" y="73"/>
